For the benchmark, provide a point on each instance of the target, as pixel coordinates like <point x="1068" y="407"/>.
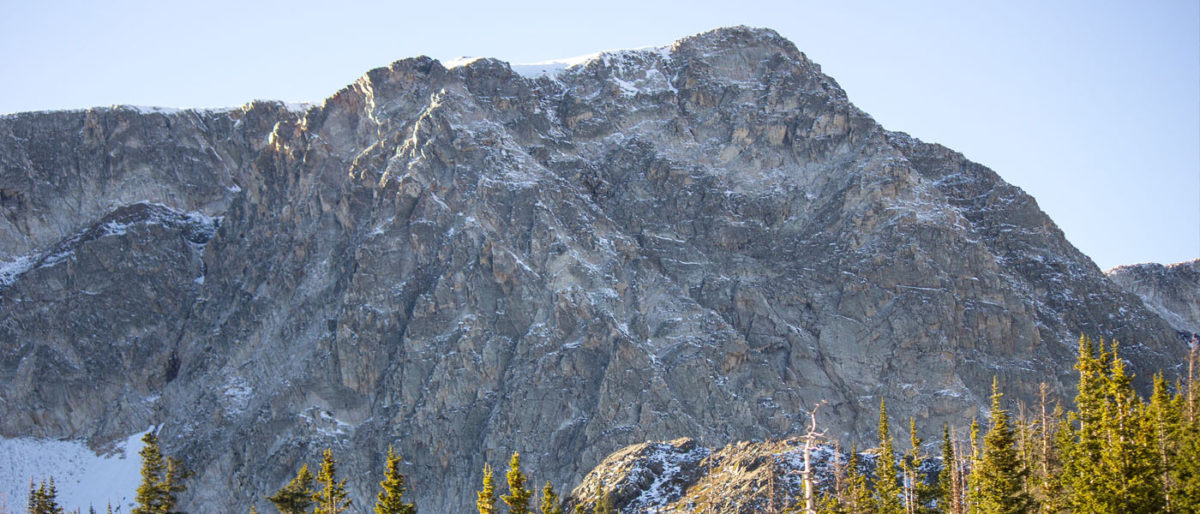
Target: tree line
<point x="1115" y="452"/>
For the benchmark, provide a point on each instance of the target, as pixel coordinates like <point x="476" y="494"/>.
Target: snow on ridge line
<point x="552" y="67"/>
<point x="83" y="478"/>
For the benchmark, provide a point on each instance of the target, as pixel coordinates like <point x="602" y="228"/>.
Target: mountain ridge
<point x="466" y="262"/>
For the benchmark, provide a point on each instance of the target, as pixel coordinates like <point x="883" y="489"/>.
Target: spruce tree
<point x="297" y="496"/>
<point x="604" y="503"/>
<point x="946" y="488"/>
<point x="917" y="494"/>
<point x="518" y="495"/>
<point x="970" y="488"/>
<point x="858" y="495"/>
<point x="486" y="501"/>
<point x="161" y="479"/>
<point x="391" y="499"/>
<point x="550" y="501"/>
<point x="887" y="488"/>
<point x="1000" y="475"/>
<point x="1184" y="476"/>
<point x="1164" y="423"/>
<point x="1129" y="459"/>
<point x="149" y="493"/>
<point x="1082" y="476"/>
<point x="332" y="498"/>
<point x="44" y="499"/>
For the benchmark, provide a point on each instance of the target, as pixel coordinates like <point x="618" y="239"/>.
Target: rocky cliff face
<point x="703" y="240"/>
<point x="1171" y="291"/>
<point x="742" y="477"/>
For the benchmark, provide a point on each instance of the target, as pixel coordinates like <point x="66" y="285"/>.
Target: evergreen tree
<point x="161" y="479"/>
<point x="604" y="503"/>
<point x="391" y="499"/>
<point x="969" y="485"/>
<point x="1082" y="479"/>
<point x="332" y="498"/>
<point x="1000" y="475"/>
<point x="917" y="494"/>
<point x="172" y="483"/>
<point x="297" y="496"/>
<point x="944" y="493"/>
<point x="1164" y="423"/>
<point x="858" y="495"/>
<point x="44" y="499"/>
<point x="518" y="495"/>
<point x="1129" y="459"/>
<point x="487" y="497"/>
<point x="149" y="494"/>
<point x="1046" y="469"/>
<point x="887" y="489"/>
<point x="1184" y="475"/>
<point x="550" y="501"/>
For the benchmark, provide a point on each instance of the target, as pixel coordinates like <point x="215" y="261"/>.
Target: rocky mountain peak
<point x="461" y="260"/>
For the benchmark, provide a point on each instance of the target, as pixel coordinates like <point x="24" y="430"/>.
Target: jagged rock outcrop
<point x="1171" y="291"/>
<point x="742" y="477"/>
<point x="703" y="240"/>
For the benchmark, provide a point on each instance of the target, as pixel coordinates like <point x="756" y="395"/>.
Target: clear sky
<point x="1091" y="106"/>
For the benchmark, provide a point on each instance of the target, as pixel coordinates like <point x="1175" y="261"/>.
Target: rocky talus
<point x="701" y="240"/>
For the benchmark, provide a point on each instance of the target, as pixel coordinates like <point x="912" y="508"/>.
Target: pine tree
<point x="887" y="489"/>
<point x="391" y="499"/>
<point x="944" y="493"/>
<point x="172" y="483"/>
<point x="858" y="496"/>
<point x="1164" y="422"/>
<point x="1129" y="459"/>
<point x="604" y="503"/>
<point x="917" y="494"/>
<point x="332" y="498"/>
<point x="1082" y="478"/>
<point x="970" y="488"/>
<point x="518" y="495"/>
<point x="43" y="499"/>
<point x="161" y="479"/>
<point x="1046" y="469"/>
<point x="297" y="496"/>
<point x="1000" y="475"/>
<point x="1184" y="475"/>
<point x="149" y="494"/>
<point x="487" y="497"/>
<point x="550" y="501"/>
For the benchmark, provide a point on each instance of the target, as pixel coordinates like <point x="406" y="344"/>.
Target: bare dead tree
<point x="810" y="438"/>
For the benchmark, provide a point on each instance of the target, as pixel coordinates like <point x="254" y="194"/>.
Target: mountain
<point x="1171" y="291"/>
<point x="702" y="240"/>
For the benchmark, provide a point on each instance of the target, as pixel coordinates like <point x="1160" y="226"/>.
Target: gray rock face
<point x="1171" y="291"/>
<point x="703" y="240"/>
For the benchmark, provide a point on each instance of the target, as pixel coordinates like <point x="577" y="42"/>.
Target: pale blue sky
<point x="1093" y="107"/>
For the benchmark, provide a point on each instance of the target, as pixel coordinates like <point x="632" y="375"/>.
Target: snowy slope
<point x="84" y="479"/>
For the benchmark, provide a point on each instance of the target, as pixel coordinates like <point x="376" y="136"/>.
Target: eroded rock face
<point x="742" y="477"/>
<point x="703" y="240"/>
<point x="1171" y="291"/>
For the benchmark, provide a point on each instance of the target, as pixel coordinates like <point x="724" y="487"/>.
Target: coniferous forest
<point x="1114" y="452"/>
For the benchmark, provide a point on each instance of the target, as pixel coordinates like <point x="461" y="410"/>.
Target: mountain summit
<point x="703" y="240"/>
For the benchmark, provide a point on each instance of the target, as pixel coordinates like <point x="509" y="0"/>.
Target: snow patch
<point x="144" y="109"/>
<point x="9" y="270"/>
<point x="83" y="478"/>
<point x="460" y="61"/>
<point x="552" y="67"/>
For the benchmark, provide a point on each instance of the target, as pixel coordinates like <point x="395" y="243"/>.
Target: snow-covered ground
<point x="83" y="478"/>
